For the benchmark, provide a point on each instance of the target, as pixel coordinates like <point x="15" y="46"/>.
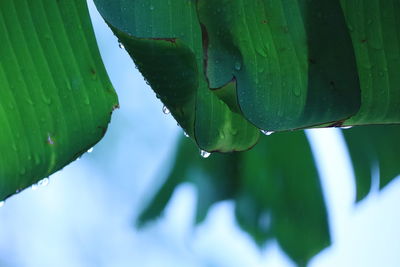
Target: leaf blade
<point x="56" y="98"/>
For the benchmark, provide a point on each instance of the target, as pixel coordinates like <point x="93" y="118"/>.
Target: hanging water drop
<point x="34" y="187"/>
<point x="49" y="140"/>
<point x="266" y="132"/>
<point x="2" y="203"/>
<point x="120" y="45"/>
<point x="90" y="150"/>
<point x="204" y="154"/>
<point x="185" y="134"/>
<point x="165" y="110"/>
<point x="346" y="127"/>
<point x="44" y="182"/>
<point x="297" y="91"/>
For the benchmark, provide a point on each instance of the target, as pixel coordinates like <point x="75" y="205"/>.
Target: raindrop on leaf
<point x="44" y="182"/>
<point x="238" y="65"/>
<point x="165" y="110"/>
<point x="346" y="127"/>
<point x="265" y="132"/>
<point x="204" y="154"/>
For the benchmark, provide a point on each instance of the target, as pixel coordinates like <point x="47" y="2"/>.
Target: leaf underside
<point x="287" y="64"/>
<point x="55" y="96"/>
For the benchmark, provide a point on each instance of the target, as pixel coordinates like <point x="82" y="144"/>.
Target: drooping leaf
<point x="288" y="64"/>
<point x="165" y="40"/>
<point x="55" y="96"/>
<point x="272" y="199"/>
<point x="293" y="60"/>
<point x="371" y="147"/>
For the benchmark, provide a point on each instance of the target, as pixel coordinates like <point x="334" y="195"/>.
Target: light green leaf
<point x="55" y="96"/>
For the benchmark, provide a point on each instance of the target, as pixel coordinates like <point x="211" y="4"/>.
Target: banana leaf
<point x="55" y="96"/>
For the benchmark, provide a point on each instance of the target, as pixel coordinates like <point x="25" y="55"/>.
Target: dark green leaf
<point x="165" y="40"/>
<point x="280" y="179"/>
<point x="374" y="26"/>
<point x="293" y="60"/>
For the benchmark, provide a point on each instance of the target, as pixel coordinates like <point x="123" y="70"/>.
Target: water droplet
<point x="46" y="99"/>
<point x="2" y="203"/>
<point x="151" y="7"/>
<point x="165" y="110"/>
<point x="238" y="65"/>
<point x="350" y="27"/>
<point x="296" y="91"/>
<point x="204" y="154"/>
<point x="49" y="140"/>
<point x="346" y="127"/>
<point x="44" y="182"/>
<point x="185" y="134"/>
<point x="34" y="187"/>
<point x="37" y="159"/>
<point x="261" y="51"/>
<point x="265" y="132"/>
<point x="120" y="45"/>
<point x="90" y="150"/>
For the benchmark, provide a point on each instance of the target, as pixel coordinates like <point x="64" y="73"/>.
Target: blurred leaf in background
<point x="275" y="187"/>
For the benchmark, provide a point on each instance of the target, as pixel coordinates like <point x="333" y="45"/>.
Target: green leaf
<point x="293" y="60"/>
<point x="280" y="178"/>
<point x="165" y="40"/>
<point x="55" y="96"/>
<point x="214" y="181"/>
<point x="374" y="26"/>
<point x="373" y="147"/>
<point x="272" y="199"/>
